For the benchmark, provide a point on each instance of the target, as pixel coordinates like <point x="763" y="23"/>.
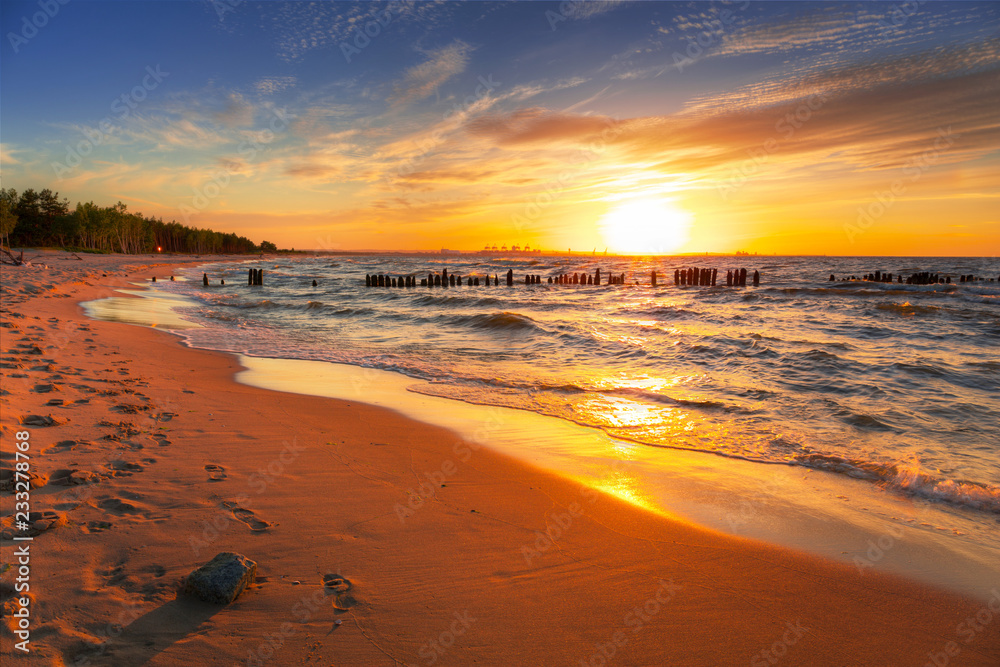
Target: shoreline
<point x="499" y="562"/>
<point x="833" y="516"/>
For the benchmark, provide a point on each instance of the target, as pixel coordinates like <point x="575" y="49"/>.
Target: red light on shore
<point x="158" y="248"/>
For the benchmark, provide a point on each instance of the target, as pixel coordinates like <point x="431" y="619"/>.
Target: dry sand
<point x="175" y="462"/>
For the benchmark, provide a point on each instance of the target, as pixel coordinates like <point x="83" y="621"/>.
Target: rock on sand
<point x="221" y="579"/>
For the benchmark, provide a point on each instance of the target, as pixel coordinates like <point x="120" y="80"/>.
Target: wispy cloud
<point x="269" y="85"/>
<point x="7" y="155"/>
<point x="534" y="125"/>
<point x="237" y="112"/>
<point x="423" y="80"/>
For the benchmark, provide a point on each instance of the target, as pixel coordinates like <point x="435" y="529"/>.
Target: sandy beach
<point x="379" y="540"/>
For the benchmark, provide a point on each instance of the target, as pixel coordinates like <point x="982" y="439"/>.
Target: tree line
<point x="33" y="219"/>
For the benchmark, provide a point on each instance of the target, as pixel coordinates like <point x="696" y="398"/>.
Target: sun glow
<point x="647" y="226"/>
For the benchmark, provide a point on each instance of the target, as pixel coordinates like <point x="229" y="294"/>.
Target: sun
<point x="646" y="226"/>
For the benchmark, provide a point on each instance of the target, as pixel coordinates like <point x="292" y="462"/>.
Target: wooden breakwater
<point x="920" y="278"/>
<point x="683" y="277"/>
<point x="694" y="277"/>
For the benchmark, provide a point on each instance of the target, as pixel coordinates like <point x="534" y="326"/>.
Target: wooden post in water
<point x="756" y="278"/>
<point x="510" y="277"/>
<point x="653" y="278"/>
<point x="715" y="275"/>
<point x="250" y="277"/>
<point x="743" y="277"/>
<point x="204" y="279"/>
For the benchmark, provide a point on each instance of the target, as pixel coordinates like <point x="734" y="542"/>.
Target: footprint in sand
<point x="247" y="517"/>
<point x="338" y="586"/>
<point x="117" y="506"/>
<point x="62" y="446"/>
<point x="38" y="523"/>
<point x="97" y="526"/>
<point x="216" y="473"/>
<point x="122" y="468"/>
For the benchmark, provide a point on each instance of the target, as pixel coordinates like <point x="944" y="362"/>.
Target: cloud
<point x="423" y="80"/>
<point x="269" y="85"/>
<point x="7" y="155"/>
<point x="537" y="125"/>
<point x="312" y="171"/>
<point x="900" y="72"/>
<point x="237" y="112"/>
<point x="301" y="27"/>
<point x="586" y="9"/>
<point x="829" y="27"/>
<point x="880" y="115"/>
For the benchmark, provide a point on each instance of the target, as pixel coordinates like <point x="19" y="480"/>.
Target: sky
<point x="861" y="128"/>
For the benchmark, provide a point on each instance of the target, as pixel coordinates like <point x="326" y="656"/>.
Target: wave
<point x="863" y="421"/>
<point x="910" y="479"/>
<point x="651" y="396"/>
<point x="263" y="303"/>
<point x="663" y="311"/>
<point x="907" y="308"/>
<point x="505" y="321"/>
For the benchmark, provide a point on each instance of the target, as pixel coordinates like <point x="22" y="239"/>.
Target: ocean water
<point x="897" y="384"/>
<point x="892" y="386"/>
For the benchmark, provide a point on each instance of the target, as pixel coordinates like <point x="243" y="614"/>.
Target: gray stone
<point x="222" y="579"/>
<point x="38" y="420"/>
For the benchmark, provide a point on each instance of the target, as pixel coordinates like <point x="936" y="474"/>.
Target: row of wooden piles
<point x="709" y="277"/>
<point x="921" y="278"/>
<point x="682" y="277"/>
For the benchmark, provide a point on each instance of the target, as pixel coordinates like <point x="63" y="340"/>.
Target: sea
<point x="889" y="392"/>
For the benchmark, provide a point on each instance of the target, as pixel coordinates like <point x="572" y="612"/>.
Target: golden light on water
<point x="646" y="226"/>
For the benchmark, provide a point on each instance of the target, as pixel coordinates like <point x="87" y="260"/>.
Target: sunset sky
<point x="790" y="128"/>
